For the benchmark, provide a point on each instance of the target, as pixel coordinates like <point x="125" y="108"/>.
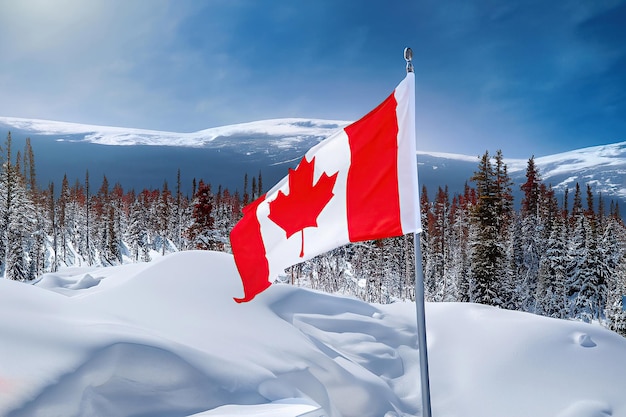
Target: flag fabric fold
<point x="358" y="184"/>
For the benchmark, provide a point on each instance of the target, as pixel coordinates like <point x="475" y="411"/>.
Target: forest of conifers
<point x="562" y="256"/>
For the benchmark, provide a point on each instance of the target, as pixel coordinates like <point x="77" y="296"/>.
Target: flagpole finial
<point x="408" y="56"/>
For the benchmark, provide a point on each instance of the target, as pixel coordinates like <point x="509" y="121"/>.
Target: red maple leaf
<point x="305" y="201"/>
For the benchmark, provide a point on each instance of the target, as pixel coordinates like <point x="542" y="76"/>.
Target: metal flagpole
<point x="421" y="327"/>
<point x="419" y="299"/>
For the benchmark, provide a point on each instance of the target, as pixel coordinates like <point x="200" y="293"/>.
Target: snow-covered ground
<point x="167" y="339"/>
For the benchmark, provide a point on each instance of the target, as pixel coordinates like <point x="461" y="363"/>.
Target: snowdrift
<point x="167" y="339"/>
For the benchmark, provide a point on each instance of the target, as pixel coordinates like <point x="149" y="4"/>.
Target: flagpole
<point x="419" y="299"/>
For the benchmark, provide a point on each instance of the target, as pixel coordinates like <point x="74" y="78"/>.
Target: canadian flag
<point x="358" y="184"/>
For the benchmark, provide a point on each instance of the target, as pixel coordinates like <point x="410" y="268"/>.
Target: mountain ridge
<point x="272" y="146"/>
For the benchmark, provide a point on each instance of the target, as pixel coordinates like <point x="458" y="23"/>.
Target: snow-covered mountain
<point x="278" y="133"/>
<point x="603" y="167"/>
<point x="145" y="158"/>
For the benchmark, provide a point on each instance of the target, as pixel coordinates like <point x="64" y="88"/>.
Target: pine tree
<point x="437" y="283"/>
<point x="7" y="185"/>
<point x="590" y="298"/>
<point x="459" y="242"/>
<point x="201" y="232"/>
<point x="577" y="205"/>
<point x="536" y="215"/>
<point x="585" y="276"/>
<point x="487" y="253"/>
<point x="102" y="223"/>
<point x="135" y="232"/>
<point x="577" y="268"/>
<point x="178" y="213"/>
<point x="29" y="166"/>
<point x="610" y="256"/>
<point x="63" y="202"/>
<point x="13" y="206"/>
<point x="164" y="213"/>
<point x="76" y="223"/>
<point x="87" y="251"/>
<point x="15" y="260"/>
<point x="601" y="217"/>
<point x="146" y="201"/>
<point x="246" y="196"/>
<point x="565" y="211"/>
<point x="512" y="285"/>
<point x="118" y="222"/>
<point x="503" y="192"/>
<point x="254" y="191"/>
<point x="530" y="202"/>
<point x="18" y="218"/>
<point x="551" y="291"/>
<point x="590" y="206"/>
<point x="53" y="227"/>
<point x="112" y="249"/>
<point x="615" y="243"/>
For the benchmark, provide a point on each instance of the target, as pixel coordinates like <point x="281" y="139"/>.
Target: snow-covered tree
<point x="17" y="216"/>
<point x="551" y="290"/>
<point x="487" y="252"/>
<point x="201" y="232"/>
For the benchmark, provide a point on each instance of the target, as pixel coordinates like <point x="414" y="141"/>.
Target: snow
<point x="448" y="155"/>
<point x="288" y="129"/>
<point x="603" y="156"/>
<point x="166" y="339"/>
<point x="281" y="141"/>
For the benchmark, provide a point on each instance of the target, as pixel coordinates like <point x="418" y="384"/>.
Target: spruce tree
<point x="504" y="192"/>
<point x="178" y="213"/>
<point x="53" y="227"/>
<point x="426" y="218"/>
<point x="578" y="271"/>
<point x="87" y="251"/>
<point x="135" y="232"/>
<point x="512" y="285"/>
<point x="487" y="253"/>
<point x="164" y="214"/>
<point x="459" y="242"/>
<point x="29" y="166"/>
<point x="551" y="290"/>
<point x="18" y="218"/>
<point x="15" y="261"/>
<point x="63" y="203"/>
<point x="246" y="196"/>
<point x="201" y="233"/>
<point x="530" y="188"/>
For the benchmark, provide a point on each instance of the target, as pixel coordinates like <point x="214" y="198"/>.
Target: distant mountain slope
<point x="279" y="132"/>
<point x="140" y="158"/>
<point x="603" y="167"/>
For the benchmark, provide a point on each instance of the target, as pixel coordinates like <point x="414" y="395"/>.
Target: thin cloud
<point x="513" y="76"/>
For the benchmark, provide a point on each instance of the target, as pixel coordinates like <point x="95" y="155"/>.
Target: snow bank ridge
<point x="165" y="339"/>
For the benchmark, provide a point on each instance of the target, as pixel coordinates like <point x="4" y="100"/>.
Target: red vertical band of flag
<point x="372" y="195"/>
<point x="251" y="262"/>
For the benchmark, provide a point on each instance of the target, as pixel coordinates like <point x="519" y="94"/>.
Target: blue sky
<point x="527" y="77"/>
